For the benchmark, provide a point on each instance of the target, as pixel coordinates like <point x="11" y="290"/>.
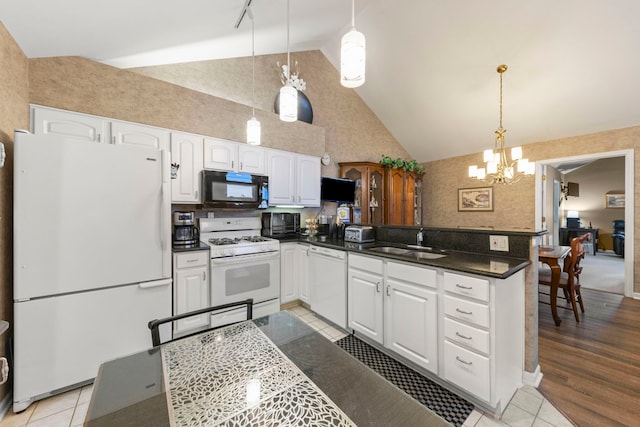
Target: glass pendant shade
<point x="473" y="171"/>
<point x="352" y="59"/>
<point x="288" y="103"/>
<point x="253" y="131"/>
<point x="492" y="167"/>
<point x="487" y="156"/>
<point x="516" y="153"/>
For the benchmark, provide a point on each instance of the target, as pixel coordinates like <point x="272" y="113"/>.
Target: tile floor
<point x="527" y="408"/>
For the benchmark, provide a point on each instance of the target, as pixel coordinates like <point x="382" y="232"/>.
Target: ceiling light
<point x="253" y="125"/>
<point x="352" y="55"/>
<point x="288" y="94"/>
<point x="497" y="169"/>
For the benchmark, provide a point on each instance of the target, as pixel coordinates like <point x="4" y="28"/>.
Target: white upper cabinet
<point x="252" y="159"/>
<point x="186" y="165"/>
<point x="282" y="182"/>
<point x="226" y="155"/>
<point x="220" y="154"/>
<point x="294" y="179"/>
<point x="308" y="180"/>
<point x="70" y="124"/>
<point x="137" y="135"/>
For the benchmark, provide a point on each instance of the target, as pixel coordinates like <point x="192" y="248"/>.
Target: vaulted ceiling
<point x="431" y="64"/>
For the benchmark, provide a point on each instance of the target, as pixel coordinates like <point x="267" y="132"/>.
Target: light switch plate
<point x="499" y="243"/>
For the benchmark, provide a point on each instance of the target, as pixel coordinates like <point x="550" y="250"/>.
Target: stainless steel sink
<point x="427" y="255"/>
<point x="391" y="250"/>
<point x="410" y="254"/>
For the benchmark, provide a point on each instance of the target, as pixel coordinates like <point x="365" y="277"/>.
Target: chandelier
<point x="498" y="170"/>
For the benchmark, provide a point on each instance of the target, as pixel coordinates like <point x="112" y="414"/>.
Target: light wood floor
<point x="592" y="368"/>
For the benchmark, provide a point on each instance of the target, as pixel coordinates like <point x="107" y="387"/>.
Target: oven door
<point x="237" y="278"/>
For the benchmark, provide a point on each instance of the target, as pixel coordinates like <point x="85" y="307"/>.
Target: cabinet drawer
<point x="192" y="259"/>
<point x="468" y="370"/>
<point x="468" y="311"/>
<point x="410" y="273"/>
<point x="467" y="335"/>
<point x="472" y="287"/>
<point x="372" y="265"/>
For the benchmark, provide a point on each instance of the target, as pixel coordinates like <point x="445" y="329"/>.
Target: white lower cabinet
<point x="289" y="272"/>
<point x="364" y="296"/>
<point x="396" y="305"/>
<point x="483" y="336"/>
<point x="411" y="314"/>
<point x="190" y="289"/>
<point x="468" y="330"/>
<point x="303" y="263"/>
<point x="294" y="272"/>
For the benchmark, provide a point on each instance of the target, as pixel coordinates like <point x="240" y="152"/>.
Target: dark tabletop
<point x="302" y="375"/>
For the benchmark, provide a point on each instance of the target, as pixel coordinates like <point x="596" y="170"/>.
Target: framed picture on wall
<point x="614" y="200"/>
<point x="475" y="199"/>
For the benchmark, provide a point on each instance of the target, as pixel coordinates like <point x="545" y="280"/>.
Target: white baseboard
<point x="532" y="378"/>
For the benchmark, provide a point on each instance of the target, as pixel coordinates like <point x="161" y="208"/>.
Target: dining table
<point x="270" y="371"/>
<point x="554" y="257"/>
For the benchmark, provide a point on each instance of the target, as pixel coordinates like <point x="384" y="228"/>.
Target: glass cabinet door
<point x="355" y="174"/>
<point x="376" y="196"/>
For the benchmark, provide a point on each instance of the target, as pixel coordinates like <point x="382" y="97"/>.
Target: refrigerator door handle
<point x="155" y="283"/>
<point x="165" y="213"/>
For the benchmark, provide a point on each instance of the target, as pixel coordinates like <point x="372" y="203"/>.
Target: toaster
<point x="359" y="234"/>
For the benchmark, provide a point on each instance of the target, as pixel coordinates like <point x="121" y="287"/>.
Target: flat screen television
<point x="337" y="190"/>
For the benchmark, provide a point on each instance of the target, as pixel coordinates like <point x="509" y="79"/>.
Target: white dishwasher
<point x="328" y="284"/>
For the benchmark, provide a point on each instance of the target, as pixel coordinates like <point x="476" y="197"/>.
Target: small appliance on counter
<point x="280" y="224"/>
<point x="184" y="233"/>
<point x="359" y="234"/>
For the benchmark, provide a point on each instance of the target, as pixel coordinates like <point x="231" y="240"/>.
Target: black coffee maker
<point x="185" y="234"/>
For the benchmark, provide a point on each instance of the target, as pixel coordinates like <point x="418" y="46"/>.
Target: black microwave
<point x="234" y="190"/>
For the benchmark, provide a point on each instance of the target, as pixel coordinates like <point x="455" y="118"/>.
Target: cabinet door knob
<point x="388" y="294"/>
<point x="378" y="287"/>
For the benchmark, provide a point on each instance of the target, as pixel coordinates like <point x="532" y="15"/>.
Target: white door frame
<point x="629" y="187"/>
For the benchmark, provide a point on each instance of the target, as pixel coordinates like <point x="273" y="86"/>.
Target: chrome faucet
<point x="419" y="237"/>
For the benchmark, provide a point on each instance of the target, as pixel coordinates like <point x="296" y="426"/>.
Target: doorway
<point x="543" y="210"/>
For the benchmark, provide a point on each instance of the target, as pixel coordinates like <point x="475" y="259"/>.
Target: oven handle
<point x="243" y="258"/>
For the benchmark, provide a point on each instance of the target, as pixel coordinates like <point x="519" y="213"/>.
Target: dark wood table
<point x="274" y="370"/>
<point x="554" y="257"/>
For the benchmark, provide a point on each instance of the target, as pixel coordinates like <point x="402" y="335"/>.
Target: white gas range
<point x="243" y="265"/>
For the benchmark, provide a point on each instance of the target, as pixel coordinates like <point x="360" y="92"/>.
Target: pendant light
<point x="253" y="125"/>
<point x="352" y="55"/>
<point x="288" y="94"/>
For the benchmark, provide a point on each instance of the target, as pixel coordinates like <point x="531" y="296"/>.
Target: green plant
<point x="411" y="165"/>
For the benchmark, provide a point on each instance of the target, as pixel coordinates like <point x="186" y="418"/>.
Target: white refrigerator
<point x="92" y="258"/>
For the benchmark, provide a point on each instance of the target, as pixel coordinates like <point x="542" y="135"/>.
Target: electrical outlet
<point x="499" y="243"/>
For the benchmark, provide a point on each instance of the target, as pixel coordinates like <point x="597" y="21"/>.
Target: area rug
<point x="446" y="404"/>
<point x="603" y="272"/>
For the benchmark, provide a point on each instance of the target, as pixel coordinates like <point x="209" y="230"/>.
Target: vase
<point x="305" y="111"/>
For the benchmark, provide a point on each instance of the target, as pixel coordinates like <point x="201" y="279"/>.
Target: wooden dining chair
<point x="578" y="268"/>
<point x="162" y="329"/>
<point x="568" y="284"/>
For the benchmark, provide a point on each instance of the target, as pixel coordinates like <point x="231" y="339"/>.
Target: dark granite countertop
<point x="200" y="247"/>
<point x="466" y="262"/>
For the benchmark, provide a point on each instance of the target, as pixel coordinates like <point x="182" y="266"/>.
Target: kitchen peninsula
<point x="451" y="308"/>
